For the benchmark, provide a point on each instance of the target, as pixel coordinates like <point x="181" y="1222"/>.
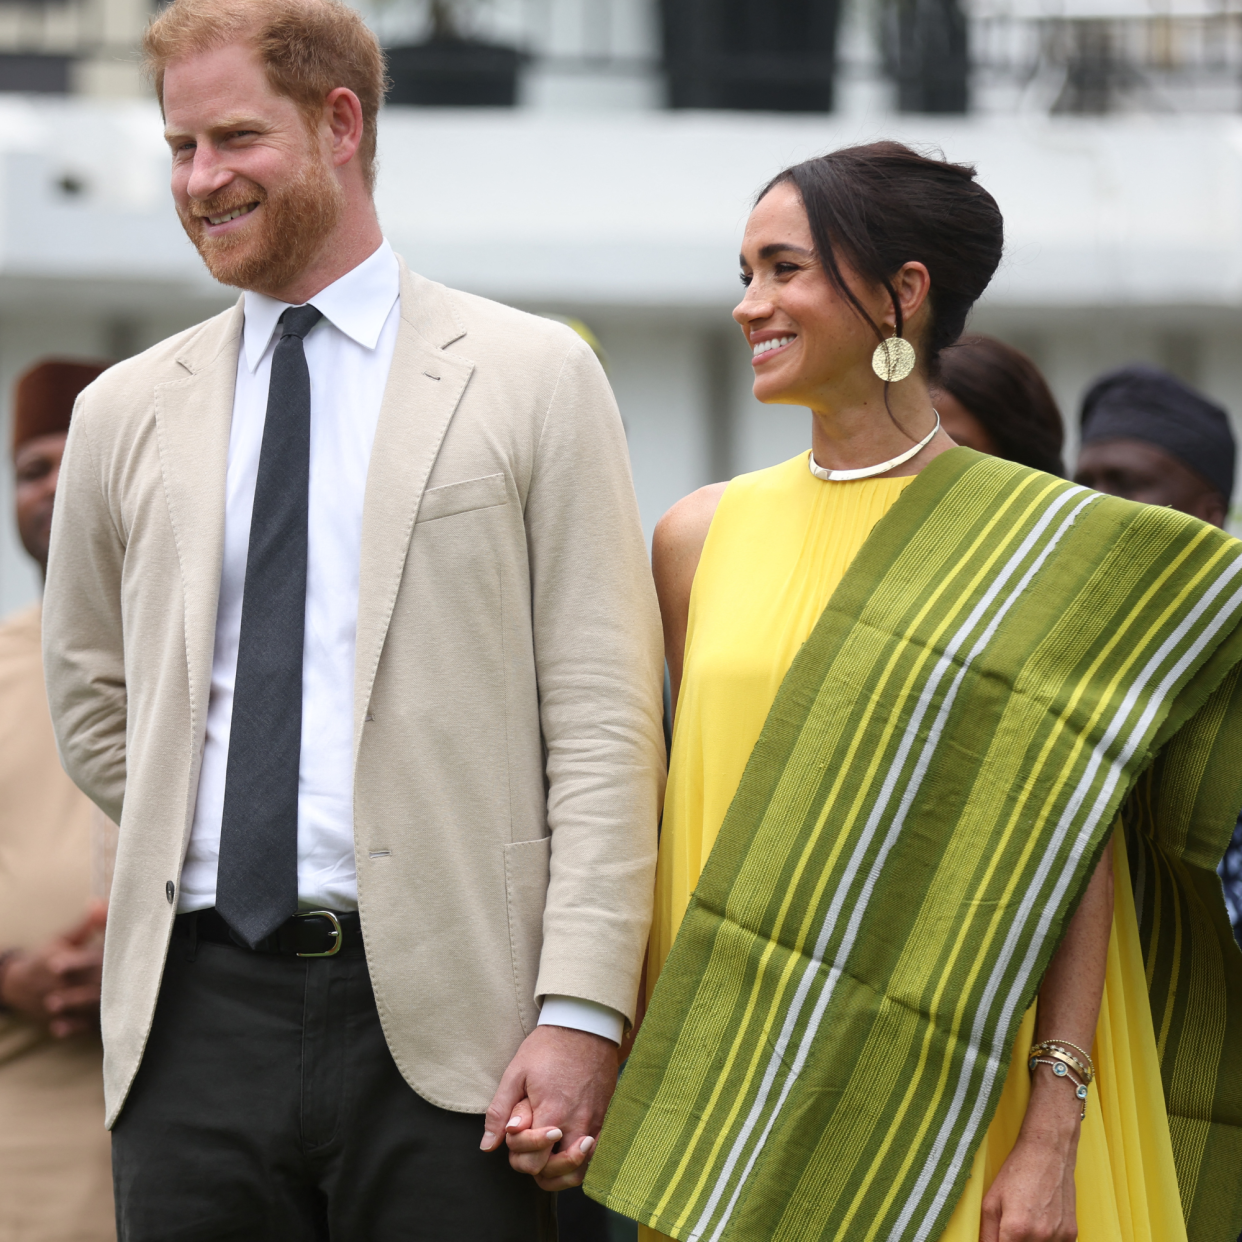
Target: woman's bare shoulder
<point x="682" y="531"/>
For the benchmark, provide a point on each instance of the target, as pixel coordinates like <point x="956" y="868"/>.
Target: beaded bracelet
<point x="1061" y="1070"/>
<point x="1049" y="1048"/>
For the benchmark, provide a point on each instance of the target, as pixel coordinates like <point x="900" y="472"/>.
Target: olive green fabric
<point x="1173" y="820"/>
<point x="938" y="775"/>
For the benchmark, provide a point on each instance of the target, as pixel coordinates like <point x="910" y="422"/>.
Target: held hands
<point x="57" y="985"/>
<point x="550" y="1104"/>
<point x="1033" y="1196"/>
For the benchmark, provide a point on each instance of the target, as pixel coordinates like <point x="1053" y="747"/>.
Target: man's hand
<point x="550" y="1104"/>
<point x="58" y="984"/>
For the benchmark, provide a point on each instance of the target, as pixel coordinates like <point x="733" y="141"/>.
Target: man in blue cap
<point x="1149" y="437"/>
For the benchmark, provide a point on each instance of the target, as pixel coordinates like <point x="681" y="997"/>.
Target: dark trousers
<point x="268" y="1109"/>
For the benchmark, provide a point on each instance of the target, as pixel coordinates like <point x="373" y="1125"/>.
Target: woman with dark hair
<point x="991" y="397"/>
<point x="898" y="964"/>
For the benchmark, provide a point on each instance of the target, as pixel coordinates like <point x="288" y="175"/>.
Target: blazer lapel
<point x="193" y="416"/>
<point x="424" y="387"/>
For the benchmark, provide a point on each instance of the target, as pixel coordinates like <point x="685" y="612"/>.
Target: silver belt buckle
<point x="336" y="931"/>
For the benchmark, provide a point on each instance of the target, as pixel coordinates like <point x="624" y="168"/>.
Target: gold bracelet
<point x="1083" y="1053"/>
<point x="1061" y="1070"/>
<point x="1067" y="1058"/>
<point x="1052" y="1048"/>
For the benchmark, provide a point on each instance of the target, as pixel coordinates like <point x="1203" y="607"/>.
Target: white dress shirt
<point x="348" y="354"/>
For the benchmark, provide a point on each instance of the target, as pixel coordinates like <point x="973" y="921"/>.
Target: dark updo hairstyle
<point x="882" y="205"/>
<point x="1004" y="390"/>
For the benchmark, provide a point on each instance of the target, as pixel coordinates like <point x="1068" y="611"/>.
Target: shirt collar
<point x="357" y="304"/>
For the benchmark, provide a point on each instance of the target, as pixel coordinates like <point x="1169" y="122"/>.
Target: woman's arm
<point x="1032" y="1197"/>
<point x="675" y="551"/>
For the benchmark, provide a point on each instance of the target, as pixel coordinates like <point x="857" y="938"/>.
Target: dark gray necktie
<point x="257" y="881"/>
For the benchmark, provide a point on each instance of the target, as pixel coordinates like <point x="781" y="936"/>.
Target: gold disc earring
<point x="893" y="359"/>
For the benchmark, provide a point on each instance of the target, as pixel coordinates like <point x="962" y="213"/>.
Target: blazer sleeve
<point x="599" y="662"/>
<point x="83" y="654"/>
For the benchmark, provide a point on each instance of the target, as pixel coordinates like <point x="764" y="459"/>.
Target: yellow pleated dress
<point x="779" y="544"/>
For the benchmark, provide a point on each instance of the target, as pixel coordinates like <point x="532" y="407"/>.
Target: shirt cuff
<point x="583" y="1015"/>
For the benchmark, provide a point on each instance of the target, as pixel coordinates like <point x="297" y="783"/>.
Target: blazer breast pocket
<point x="464" y="497"/>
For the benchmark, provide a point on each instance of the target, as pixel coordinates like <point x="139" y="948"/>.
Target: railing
<point x="586" y="36"/>
<point x="69" y="27"/>
<point x="1058" y="56"/>
<point x="1136" y="62"/>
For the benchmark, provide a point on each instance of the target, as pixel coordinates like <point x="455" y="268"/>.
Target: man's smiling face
<point x="253" y="181"/>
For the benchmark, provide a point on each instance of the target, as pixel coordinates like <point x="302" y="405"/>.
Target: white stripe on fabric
<point x="909" y="737"/>
<point x="1115" y="768"/>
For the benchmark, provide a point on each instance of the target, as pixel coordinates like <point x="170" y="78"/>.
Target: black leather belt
<point x="319" y="933"/>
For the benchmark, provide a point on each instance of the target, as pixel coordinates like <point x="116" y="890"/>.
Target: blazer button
<point x="169" y="889"/>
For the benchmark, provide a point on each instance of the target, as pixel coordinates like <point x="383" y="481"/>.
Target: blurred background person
<point x="55" y="1157"/>
<point x="1149" y="437"/>
<point x="992" y="397"/>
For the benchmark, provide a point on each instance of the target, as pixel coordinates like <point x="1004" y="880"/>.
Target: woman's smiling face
<point x="810" y="346"/>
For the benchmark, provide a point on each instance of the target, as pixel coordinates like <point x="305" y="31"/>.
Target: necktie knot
<point x="299" y="320"/>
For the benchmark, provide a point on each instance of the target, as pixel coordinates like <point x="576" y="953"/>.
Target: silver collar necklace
<point x="865" y="472"/>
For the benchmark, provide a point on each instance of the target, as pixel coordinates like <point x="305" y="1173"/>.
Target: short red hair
<point x="308" y="47"/>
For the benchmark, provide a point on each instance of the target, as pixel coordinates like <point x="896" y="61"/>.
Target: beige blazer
<point x="507" y="735"/>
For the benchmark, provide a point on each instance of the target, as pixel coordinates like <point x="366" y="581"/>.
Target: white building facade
<point x="591" y="199"/>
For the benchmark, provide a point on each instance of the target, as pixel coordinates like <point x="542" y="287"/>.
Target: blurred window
<point x="779" y="56"/>
<point x="34" y="73"/>
<point x="925" y="54"/>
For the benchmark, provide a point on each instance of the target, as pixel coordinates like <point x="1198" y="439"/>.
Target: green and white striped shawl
<point x="981" y="701"/>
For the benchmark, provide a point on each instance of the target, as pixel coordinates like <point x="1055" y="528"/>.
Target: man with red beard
<point x="348" y="623"/>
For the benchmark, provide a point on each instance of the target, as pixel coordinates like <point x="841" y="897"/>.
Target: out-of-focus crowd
<point x="1145" y="435"/>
